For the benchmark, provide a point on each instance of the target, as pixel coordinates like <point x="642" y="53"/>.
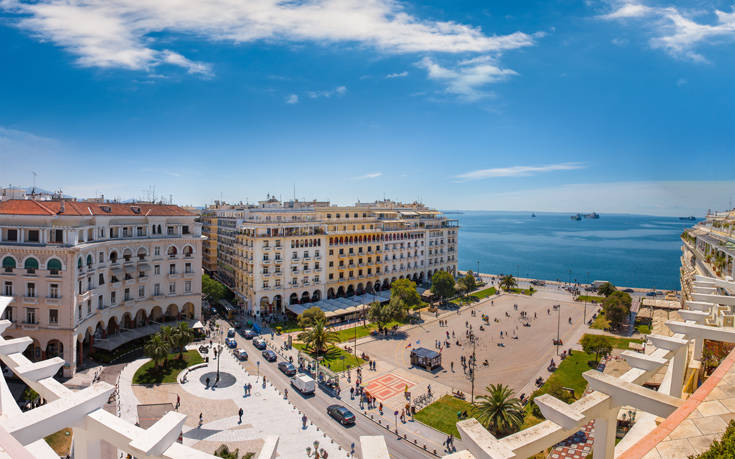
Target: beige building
<point x="279" y="254"/>
<point x="100" y="274"/>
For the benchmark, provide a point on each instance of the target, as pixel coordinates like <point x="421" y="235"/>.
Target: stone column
<point x="679" y="367"/>
<point x="85" y="445"/>
<point x="698" y="347"/>
<point x="605" y="427"/>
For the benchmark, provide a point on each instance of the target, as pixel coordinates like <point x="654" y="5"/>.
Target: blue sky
<point x="616" y="106"/>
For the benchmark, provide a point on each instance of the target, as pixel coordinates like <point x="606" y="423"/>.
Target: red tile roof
<point x="78" y="208"/>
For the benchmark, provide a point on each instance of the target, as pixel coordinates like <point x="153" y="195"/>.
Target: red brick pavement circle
<point x="387" y="386"/>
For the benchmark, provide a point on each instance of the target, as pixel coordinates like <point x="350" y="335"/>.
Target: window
<point x="30" y="315"/>
<point x="185" y="229"/>
<point x="171" y="231"/>
<point x="172" y="269"/>
<point x="79" y="312"/>
<point x="187" y="286"/>
<point x="31" y="265"/>
<point x="53" y="291"/>
<point x="141" y="291"/>
<point x="8" y="264"/>
<point x="126" y="295"/>
<point x="89" y="306"/>
<point x="139" y="231"/>
<point x="100" y="302"/>
<point x="172" y="288"/>
<point x="8" y="291"/>
<point x="12" y="235"/>
<point x="101" y="280"/>
<point x="8" y="314"/>
<point x="157" y="270"/>
<point x="157" y="290"/>
<point x="113" y="298"/>
<point x="306" y="254"/>
<point x="79" y="290"/>
<point x="31" y="290"/>
<point x="156" y="251"/>
<point x="331" y="276"/>
<point x="53" y="316"/>
<point x="33" y="236"/>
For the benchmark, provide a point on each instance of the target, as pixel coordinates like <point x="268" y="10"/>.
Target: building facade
<point x="275" y="253"/>
<point x="83" y="271"/>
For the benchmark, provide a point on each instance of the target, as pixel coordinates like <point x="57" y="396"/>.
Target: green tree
<point x="606" y="289"/>
<point x="500" y="411"/>
<point x="616" y="308"/>
<point x="212" y="289"/>
<point x="382" y="314"/>
<point x="468" y="283"/>
<point x="405" y="289"/>
<point x="311" y="315"/>
<point x="167" y="333"/>
<point x="596" y="344"/>
<point x="181" y="336"/>
<point x="318" y="337"/>
<point x="156" y="348"/>
<point x="442" y="284"/>
<point x="508" y="282"/>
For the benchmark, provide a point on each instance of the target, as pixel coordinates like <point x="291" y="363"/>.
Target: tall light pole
<point x="219" y="357"/>
<point x="473" y="365"/>
<point x="558" y="325"/>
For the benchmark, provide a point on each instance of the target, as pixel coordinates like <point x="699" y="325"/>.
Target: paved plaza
<point x="266" y="411"/>
<point x="514" y="359"/>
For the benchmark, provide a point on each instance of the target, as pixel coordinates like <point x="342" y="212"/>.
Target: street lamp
<point x="219" y="357"/>
<point x="558" y="326"/>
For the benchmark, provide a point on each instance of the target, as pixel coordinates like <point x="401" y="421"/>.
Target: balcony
<point x="55" y="300"/>
<point x="30" y="299"/>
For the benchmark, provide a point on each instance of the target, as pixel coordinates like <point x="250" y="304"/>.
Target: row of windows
<point x="31" y="315"/>
<point x="30" y="291"/>
<point x="31" y="265"/>
<point x="128" y="276"/>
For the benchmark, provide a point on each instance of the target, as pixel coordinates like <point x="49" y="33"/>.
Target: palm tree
<point x="318" y="337"/>
<point x="499" y="411"/>
<point x="156" y="348"/>
<point x="167" y="333"/>
<point x="181" y="336"/>
<point x="508" y="282"/>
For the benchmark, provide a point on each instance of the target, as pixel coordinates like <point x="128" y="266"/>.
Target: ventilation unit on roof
<point x="106" y="209"/>
<point x="135" y="209"/>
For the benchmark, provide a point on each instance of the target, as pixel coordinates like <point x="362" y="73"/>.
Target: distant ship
<point x="691" y="217"/>
<point x="592" y="215"/>
<point x="577" y="217"/>
<point x="533" y="214"/>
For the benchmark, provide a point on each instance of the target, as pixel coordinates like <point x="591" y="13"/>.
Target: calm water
<point x="628" y="250"/>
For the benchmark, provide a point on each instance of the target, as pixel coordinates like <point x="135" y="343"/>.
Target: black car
<point x="341" y="414"/>
<point x="287" y="368"/>
<point x="269" y="355"/>
<point x="259" y="343"/>
<point x="628" y="290"/>
<point x="249" y="334"/>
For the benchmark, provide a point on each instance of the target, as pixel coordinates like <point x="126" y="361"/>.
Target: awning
<point x="197" y="324"/>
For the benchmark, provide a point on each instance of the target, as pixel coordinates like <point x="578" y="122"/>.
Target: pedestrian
<point x="240" y="413"/>
<point x="451" y="364"/>
<point x="201" y="419"/>
<point x="207" y="381"/>
<point x="380" y="407"/>
<point x="303" y="421"/>
<point x="352" y="393"/>
<point x="285" y="393"/>
<point x="244" y="390"/>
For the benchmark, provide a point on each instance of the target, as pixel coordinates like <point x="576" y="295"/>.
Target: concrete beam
<point x="669" y="343"/>
<point x="559" y="412"/>
<point x="702" y="331"/>
<point x="161" y="435"/>
<point x="718" y="299"/>
<point x="374" y="446"/>
<point x="700" y="306"/>
<point x="626" y="393"/>
<point x="695" y="316"/>
<point x="4" y="324"/>
<point x="644" y="361"/>
<point x="705" y="290"/>
<point x="269" y="449"/>
<point x="15" y="345"/>
<point x="4" y="302"/>
<point x="54" y="416"/>
<point x="480" y="442"/>
<point x="40" y="370"/>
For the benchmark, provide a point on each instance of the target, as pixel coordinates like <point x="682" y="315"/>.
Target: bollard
<point x="414" y="441"/>
<point x="404" y="436"/>
<point x="434" y="452"/>
<point x="424" y="446"/>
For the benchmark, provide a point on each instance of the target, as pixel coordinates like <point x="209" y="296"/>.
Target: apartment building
<point x="84" y="274"/>
<point x="276" y="254"/>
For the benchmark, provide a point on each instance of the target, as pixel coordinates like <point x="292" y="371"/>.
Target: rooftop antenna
<point x="34" y="181"/>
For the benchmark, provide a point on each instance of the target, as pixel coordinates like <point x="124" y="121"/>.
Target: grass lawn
<point x="148" y="374"/>
<point x="524" y="291"/>
<point x="348" y="334"/>
<point x="477" y="296"/>
<point x="643" y="329"/>
<point x="569" y="373"/>
<point x="621" y="343"/>
<point x="442" y="414"/>
<point x="600" y="322"/>
<point x="60" y="442"/>
<point x="287" y="326"/>
<point x="590" y="298"/>
<point x="332" y="358"/>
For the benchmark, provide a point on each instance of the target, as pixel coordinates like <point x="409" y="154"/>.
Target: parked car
<point x="231" y="332"/>
<point x="241" y="354"/>
<point x="303" y="383"/>
<point x="287" y="368"/>
<point x="628" y="290"/>
<point x="269" y="355"/>
<point x="259" y="343"/>
<point x="249" y="334"/>
<point x="231" y="343"/>
<point x="651" y="294"/>
<point x="341" y="414"/>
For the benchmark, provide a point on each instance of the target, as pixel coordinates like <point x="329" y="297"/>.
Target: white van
<point x="303" y="383"/>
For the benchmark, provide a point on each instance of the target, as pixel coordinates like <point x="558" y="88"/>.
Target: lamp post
<point x="558" y="325"/>
<point x="473" y="365"/>
<point x="258" y="365"/>
<point x="219" y="357"/>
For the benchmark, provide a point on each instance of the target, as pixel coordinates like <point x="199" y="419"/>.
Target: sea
<point x="627" y="250"/>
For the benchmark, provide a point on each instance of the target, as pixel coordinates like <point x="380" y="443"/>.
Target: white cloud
<point x="126" y="33"/>
<point x="338" y="91"/>
<point x="681" y="82"/>
<point x="675" y="31"/>
<point x="292" y="99"/>
<point x="368" y="176"/>
<point x="397" y="75"/>
<point x="467" y="79"/>
<point x="516" y="171"/>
